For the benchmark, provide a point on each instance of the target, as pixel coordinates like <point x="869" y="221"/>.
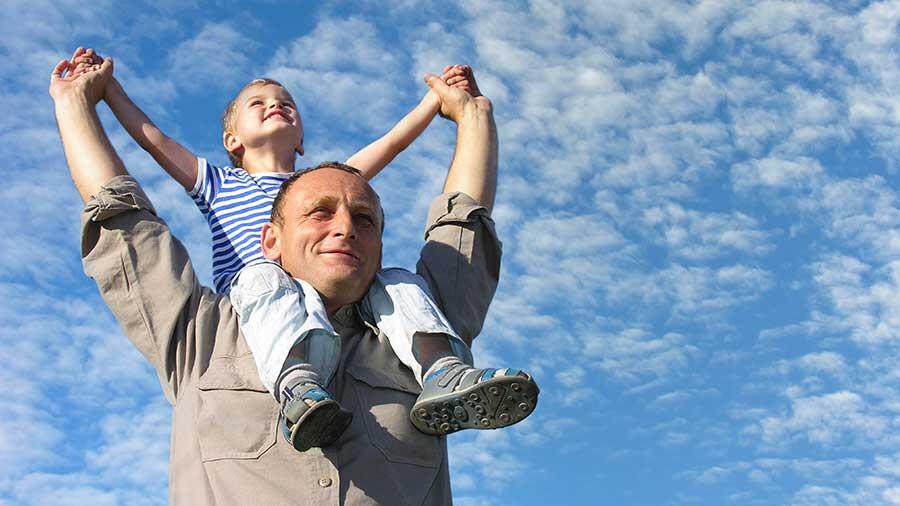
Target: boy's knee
<point x="259" y="279"/>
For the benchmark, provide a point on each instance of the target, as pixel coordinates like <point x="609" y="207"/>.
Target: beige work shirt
<point x="226" y="447"/>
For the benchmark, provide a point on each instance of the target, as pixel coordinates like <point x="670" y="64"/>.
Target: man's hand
<point x="455" y="100"/>
<point x="88" y="82"/>
<point x="87" y="61"/>
<point x="462" y="77"/>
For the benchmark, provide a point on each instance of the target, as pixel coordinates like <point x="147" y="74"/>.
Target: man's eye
<point x="366" y="220"/>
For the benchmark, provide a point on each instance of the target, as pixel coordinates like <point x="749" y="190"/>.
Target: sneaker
<point x="462" y="397"/>
<point x="311" y="418"/>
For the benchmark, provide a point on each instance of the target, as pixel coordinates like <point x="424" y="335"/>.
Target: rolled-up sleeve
<point x="145" y="277"/>
<point x="461" y="261"/>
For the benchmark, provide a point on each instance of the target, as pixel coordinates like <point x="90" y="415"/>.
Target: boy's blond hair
<point x="230" y="114"/>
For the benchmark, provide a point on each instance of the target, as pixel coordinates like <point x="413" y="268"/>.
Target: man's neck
<point x="268" y="160"/>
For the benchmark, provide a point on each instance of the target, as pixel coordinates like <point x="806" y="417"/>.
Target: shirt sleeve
<point x="146" y="278"/>
<point x="460" y="261"/>
<point x="209" y="181"/>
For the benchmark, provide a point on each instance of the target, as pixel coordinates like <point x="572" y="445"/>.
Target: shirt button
<point x="324" y="482"/>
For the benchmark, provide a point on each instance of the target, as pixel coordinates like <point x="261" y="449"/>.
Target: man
<point x="224" y="447"/>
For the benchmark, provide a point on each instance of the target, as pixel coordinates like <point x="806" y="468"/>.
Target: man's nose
<point x="343" y="225"/>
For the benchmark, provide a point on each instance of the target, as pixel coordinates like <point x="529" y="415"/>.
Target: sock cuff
<point x="293" y="376"/>
<point x="441" y="363"/>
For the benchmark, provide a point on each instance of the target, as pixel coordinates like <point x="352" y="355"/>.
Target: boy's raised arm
<point x="175" y="159"/>
<point x="178" y="161"/>
<point x="374" y="157"/>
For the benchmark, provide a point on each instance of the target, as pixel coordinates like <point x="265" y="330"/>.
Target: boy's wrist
<point x="112" y="88"/>
<point x="432" y="101"/>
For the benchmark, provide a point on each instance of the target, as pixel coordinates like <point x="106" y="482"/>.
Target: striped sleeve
<point x="209" y="181"/>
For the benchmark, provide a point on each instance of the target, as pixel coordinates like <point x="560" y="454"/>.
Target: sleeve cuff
<point x="201" y="177"/>
<point x="454" y="207"/>
<point x="120" y="195"/>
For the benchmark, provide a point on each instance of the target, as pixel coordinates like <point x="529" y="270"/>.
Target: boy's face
<point x="265" y="117"/>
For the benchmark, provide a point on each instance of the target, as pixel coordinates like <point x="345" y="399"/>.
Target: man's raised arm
<point x="461" y="257"/>
<point x="474" y="167"/>
<point x="91" y="158"/>
<point x="142" y="271"/>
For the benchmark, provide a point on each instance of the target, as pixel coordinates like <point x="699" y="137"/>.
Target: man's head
<point x="263" y="113"/>
<point x="326" y="230"/>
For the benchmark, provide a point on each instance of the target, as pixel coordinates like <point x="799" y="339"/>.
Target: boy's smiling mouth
<point x="280" y="114"/>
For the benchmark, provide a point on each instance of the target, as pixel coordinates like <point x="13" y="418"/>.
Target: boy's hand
<point x="89" y="82"/>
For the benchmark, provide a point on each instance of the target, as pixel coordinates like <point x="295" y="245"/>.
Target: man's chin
<point x="347" y="288"/>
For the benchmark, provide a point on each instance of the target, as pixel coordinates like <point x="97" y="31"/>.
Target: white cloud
<point x="636" y="355"/>
<point x="866" y="300"/>
<point x="217" y="54"/>
<point x="697" y="235"/>
<point x="776" y="173"/>
<point x="824" y="420"/>
<point x="865" y="214"/>
<point x="827" y="362"/>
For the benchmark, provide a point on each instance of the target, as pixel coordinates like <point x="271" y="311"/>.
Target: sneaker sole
<point x="490" y="404"/>
<point x="321" y="426"/>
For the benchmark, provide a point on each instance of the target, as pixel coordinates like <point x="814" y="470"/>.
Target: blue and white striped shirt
<point x="236" y="204"/>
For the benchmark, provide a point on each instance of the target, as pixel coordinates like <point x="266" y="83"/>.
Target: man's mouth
<point x="343" y="252"/>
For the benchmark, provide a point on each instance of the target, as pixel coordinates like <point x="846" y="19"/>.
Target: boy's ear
<point x="300" y="147"/>
<point x="271" y="241"/>
<point x="232" y="143"/>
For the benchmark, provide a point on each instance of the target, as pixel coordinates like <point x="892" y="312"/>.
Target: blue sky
<point x="698" y="204"/>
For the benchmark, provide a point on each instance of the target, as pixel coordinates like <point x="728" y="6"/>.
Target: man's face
<point x="330" y="236"/>
<point x="267" y="115"/>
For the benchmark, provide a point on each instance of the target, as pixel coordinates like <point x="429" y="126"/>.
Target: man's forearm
<point x="91" y="157"/>
<point x="474" y="167"/>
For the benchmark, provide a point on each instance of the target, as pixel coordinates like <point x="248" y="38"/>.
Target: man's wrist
<point x="72" y="101"/>
<point x="472" y="114"/>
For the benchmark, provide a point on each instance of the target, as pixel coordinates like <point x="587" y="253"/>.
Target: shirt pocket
<point x="385" y="401"/>
<point x="238" y="417"/>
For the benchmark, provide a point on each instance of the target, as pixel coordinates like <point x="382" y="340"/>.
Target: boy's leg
<point x="295" y="348"/>
<point x="455" y="395"/>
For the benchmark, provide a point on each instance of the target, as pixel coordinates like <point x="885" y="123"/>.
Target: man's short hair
<point x="229" y="116"/>
<point x="278" y="206"/>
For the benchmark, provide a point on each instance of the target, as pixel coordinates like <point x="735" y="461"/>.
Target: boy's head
<point x="262" y="114"/>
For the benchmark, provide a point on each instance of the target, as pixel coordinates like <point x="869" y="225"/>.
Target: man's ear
<point x="233" y="144"/>
<point x="271" y="241"/>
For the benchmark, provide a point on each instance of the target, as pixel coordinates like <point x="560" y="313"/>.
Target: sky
<point x="697" y="201"/>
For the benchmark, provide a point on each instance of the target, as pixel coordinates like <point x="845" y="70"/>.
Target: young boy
<point x="284" y="320"/>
